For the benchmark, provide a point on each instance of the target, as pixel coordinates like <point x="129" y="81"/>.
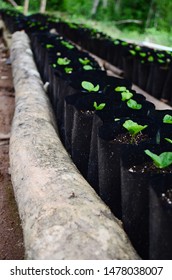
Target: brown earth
<point x="11" y="237"/>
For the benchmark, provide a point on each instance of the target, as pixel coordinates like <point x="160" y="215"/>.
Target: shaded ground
<point x="11" y="238"/>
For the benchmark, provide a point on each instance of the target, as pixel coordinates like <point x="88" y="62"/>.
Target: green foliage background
<point x="154" y="16"/>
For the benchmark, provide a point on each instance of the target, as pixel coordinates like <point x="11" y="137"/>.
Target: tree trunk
<point x="95" y="6"/>
<point x="43" y="6"/>
<point x="150" y="14"/>
<point x="105" y="2"/>
<point x="12" y="2"/>
<point x="117" y="6"/>
<point x="26" y="7"/>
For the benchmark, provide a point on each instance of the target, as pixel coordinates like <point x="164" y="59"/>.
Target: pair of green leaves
<point x="133" y="127"/>
<point x="99" y="107"/>
<point x="162" y="161"/>
<point x="167" y="119"/>
<point x="125" y="93"/>
<point x="90" y="87"/>
<point x="67" y="45"/>
<point x="127" y="96"/>
<point x="63" y="61"/>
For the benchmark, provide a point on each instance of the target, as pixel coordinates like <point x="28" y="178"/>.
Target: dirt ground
<point x="11" y="238"/>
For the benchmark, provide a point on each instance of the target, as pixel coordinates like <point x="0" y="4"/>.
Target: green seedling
<point x="168" y="140"/>
<point x="68" y="70"/>
<point x="150" y="58"/>
<point x="124" y="43"/>
<point x="167" y="119"/>
<point x="67" y="45"/>
<point x="131" y="103"/>
<point x="89" y="86"/>
<point x="126" y="95"/>
<point x="99" y="107"/>
<point x="119" y="89"/>
<point x="142" y="54"/>
<point x="87" y="67"/>
<point x="162" y="161"/>
<point x="161" y="61"/>
<point x="49" y="46"/>
<point x="84" y="61"/>
<point x="160" y="55"/>
<point x="63" y="61"/>
<point x="133" y="128"/>
<point x="132" y="52"/>
<point x="116" y="42"/>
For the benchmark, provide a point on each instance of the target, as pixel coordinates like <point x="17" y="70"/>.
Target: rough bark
<point x="62" y="217"/>
<point x="43" y="6"/>
<point x="26" y="7"/>
<point x="12" y="2"/>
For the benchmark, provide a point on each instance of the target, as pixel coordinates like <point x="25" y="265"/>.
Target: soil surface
<point x="11" y="237"/>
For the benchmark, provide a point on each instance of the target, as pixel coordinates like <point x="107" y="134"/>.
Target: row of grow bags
<point x="91" y="109"/>
<point x="150" y="69"/>
<point x="98" y="117"/>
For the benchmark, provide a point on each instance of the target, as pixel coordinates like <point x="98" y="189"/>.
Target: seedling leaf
<point x="87" y="67"/>
<point x="68" y="70"/>
<point x="131" y="103"/>
<point x="167" y="119"/>
<point x="63" y="61"/>
<point x="120" y="89"/>
<point x="168" y="140"/>
<point x="89" y="86"/>
<point x="67" y="45"/>
<point x="99" y="107"/>
<point x="162" y="161"/>
<point x="126" y="95"/>
<point x="133" y="127"/>
<point x="84" y="61"/>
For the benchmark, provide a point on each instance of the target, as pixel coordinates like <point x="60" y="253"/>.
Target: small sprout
<point x="167" y="119"/>
<point x="132" y="52"/>
<point x="42" y="28"/>
<point x="137" y="48"/>
<point x="63" y="61"/>
<point x="89" y="86"/>
<point x="126" y="95"/>
<point x="150" y="58"/>
<point x="131" y="103"/>
<point x="87" y="67"/>
<point x="116" y="42"/>
<point x="142" y="54"/>
<point x="49" y="46"/>
<point x="67" y="45"/>
<point x="160" y="55"/>
<point x="162" y="161"/>
<point x="68" y="70"/>
<point x="99" y="107"/>
<point x="54" y="65"/>
<point x="168" y="140"/>
<point x="133" y="127"/>
<point x="124" y="43"/>
<point x="84" y="61"/>
<point x="161" y="61"/>
<point x="120" y="89"/>
<point x="116" y="119"/>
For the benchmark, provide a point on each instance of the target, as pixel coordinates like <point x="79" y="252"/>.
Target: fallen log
<point x="62" y="216"/>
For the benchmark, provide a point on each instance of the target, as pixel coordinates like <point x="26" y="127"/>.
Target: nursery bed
<point x="41" y="170"/>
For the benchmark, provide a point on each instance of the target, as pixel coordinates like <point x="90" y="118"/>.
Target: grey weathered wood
<point x="62" y="217"/>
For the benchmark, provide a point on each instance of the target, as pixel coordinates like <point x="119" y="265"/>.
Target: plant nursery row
<point x="117" y="139"/>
